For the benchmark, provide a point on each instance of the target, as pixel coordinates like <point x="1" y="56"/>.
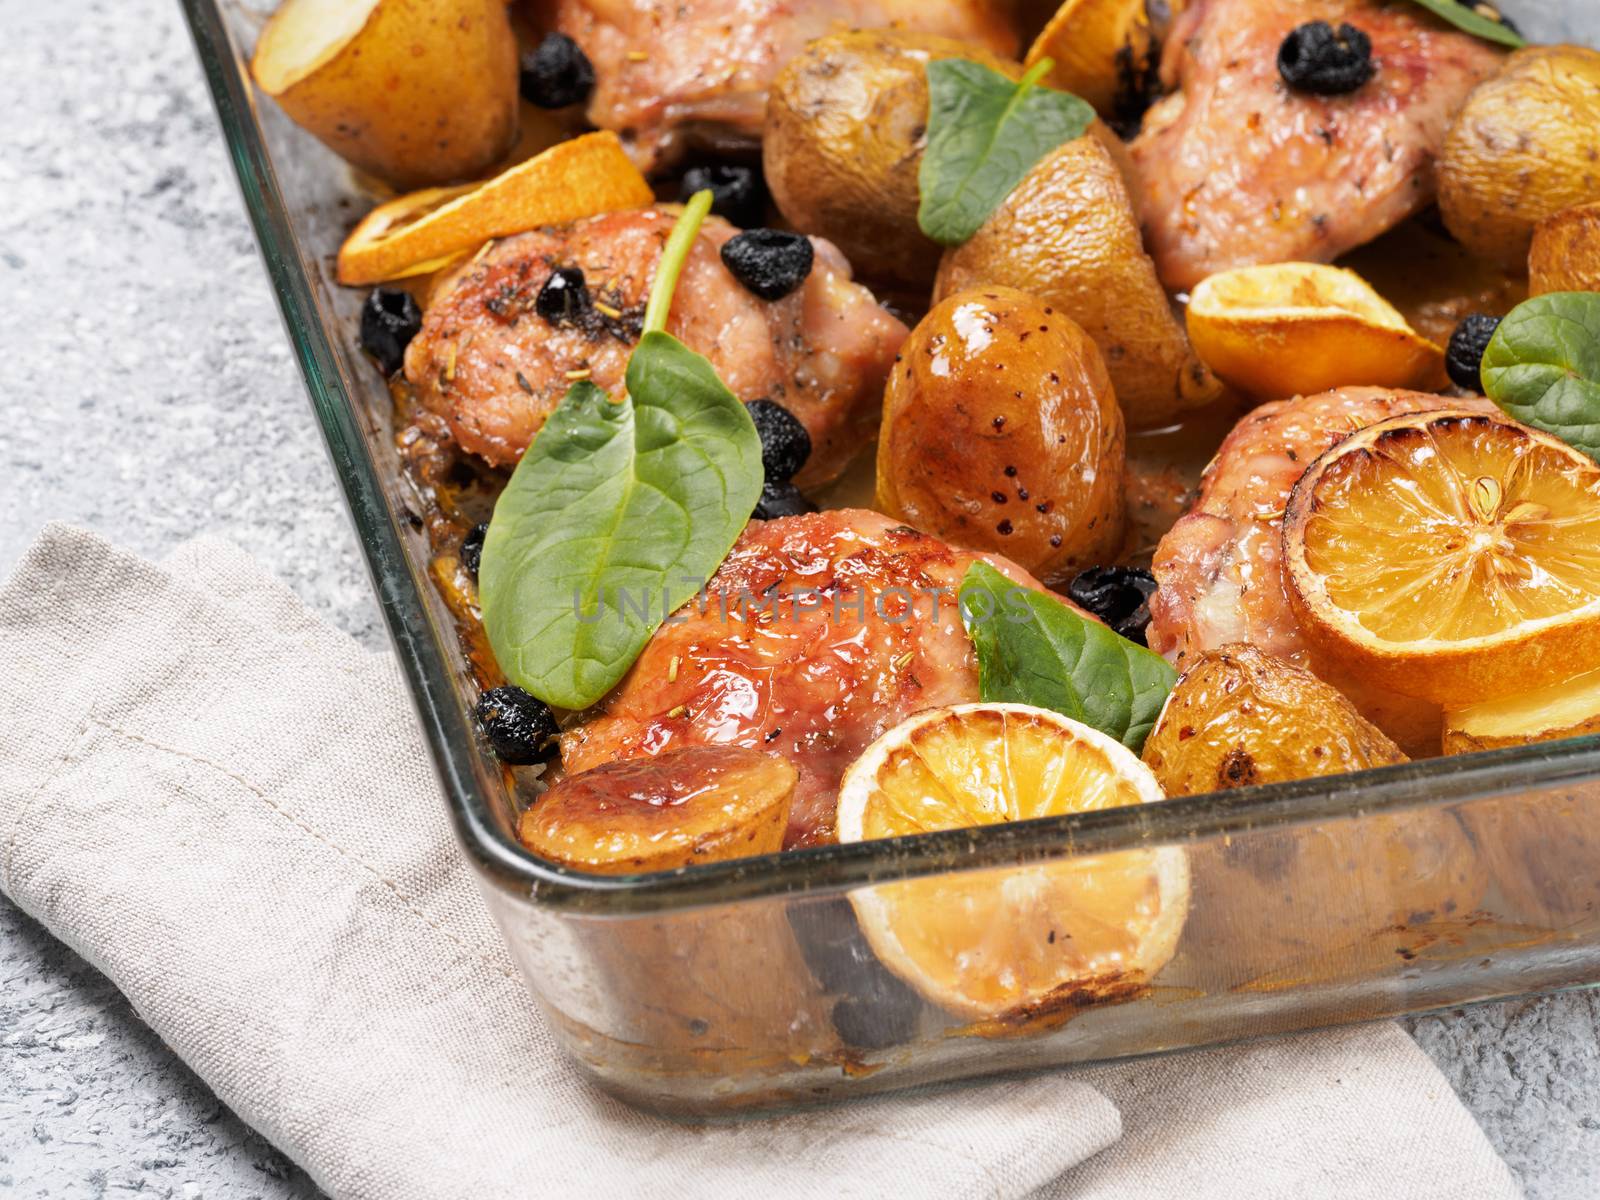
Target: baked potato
<point x="1001" y="432"/>
<point x="1565" y="255"/>
<point x="1239" y="717"/>
<point x="1069" y="235"/>
<point x="696" y="805"/>
<point x="1524" y="147"/>
<point x="416" y="92"/>
<point x="1313" y="900"/>
<point x="845" y="130"/>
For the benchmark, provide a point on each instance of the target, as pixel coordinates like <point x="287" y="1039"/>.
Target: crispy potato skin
<point x="699" y="804"/>
<point x="1565" y="256"/>
<point x="424" y="94"/>
<point x="1339" y="899"/>
<point x="1068" y="234"/>
<point x="1001" y="432"/>
<point x="845" y="130"/>
<point x="1525" y="147"/>
<point x="1239" y="717"/>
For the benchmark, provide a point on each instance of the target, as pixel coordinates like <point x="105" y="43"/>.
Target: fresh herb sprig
<point x="619" y="511"/>
<point x="1033" y="649"/>
<point x="1543" y="367"/>
<point x="1469" y="21"/>
<point x="984" y="134"/>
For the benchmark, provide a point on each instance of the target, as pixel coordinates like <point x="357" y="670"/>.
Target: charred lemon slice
<point x="1295" y="329"/>
<point x="1020" y="944"/>
<point x="1451" y="555"/>
<point x="695" y="805"/>
<point x="1098" y="46"/>
<point x="422" y="231"/>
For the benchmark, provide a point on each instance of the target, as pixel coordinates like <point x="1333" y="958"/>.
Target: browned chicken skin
<point x="494" y="369"/>
<point x="674" y="71"/>
<point x="1237" y="169"/>
<point x="848" y="624"/>
<point x="1220" y="567"/>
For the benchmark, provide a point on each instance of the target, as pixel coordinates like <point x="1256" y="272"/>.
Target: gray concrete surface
<point x="146" y="391"/>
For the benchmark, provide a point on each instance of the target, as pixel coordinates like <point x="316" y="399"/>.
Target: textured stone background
<point x="146" y="391"/>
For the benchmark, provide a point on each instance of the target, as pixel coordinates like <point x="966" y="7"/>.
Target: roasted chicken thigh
<point x="494" y="368"/>
<point x="1237" y="168"/>
<point x="674" y="71"/>
<point x="818" y="633"/>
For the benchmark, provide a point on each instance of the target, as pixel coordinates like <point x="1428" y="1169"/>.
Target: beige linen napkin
<point x="224" y="804"/>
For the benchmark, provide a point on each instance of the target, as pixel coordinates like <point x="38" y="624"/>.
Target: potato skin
<point x="845" y="130"/>
<point x="1069" y="234"/>
<point x="1525" y="146"/>
<point x="1565" y="256"/>
<point x="424" y="94"/>
<point x="1334" y="900"/>
<point x="698" y="804"/>
<point x="1239" y="717"/>
<point x="1001" y="432"/>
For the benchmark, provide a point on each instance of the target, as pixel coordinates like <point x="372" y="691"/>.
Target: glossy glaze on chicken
<point x="818" y="634"/>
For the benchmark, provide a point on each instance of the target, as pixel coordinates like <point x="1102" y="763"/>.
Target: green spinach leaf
<point x="1543" y="367"/>
<point x="1475" y="23"/>
<point x="984" y="134"/>
<point x="619" y="511"/>
<point x="1033" y="649"/>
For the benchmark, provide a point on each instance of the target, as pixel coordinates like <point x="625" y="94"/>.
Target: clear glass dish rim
<point x="327" y="366"/>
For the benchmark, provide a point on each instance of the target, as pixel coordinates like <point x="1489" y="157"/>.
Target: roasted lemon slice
<point x="1570" y="708"/>
<point x="696" y="805"/>
<point x="1449" y="555"/>
<point x="1295" y="329"/>
<point x="1097" y="46"/>
<point x="1024" y="943"/>
<point x="422" y="231"/>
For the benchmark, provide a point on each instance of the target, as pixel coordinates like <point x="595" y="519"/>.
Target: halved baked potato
<point x="417" y="92"/>
<point x="845" y="130"/>
<point x="1068" y="234"/>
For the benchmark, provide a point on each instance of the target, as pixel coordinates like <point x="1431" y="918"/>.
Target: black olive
<point x="556" y="73"/>
<point x="1119" y="596"/>
<point x="564" y="296"/>
<point x="781" y="500"/>
<point x="389" y="320"/>
<point x="738" y="193"/>
<point x="1464" y="359"/>
<point x="1316" y="59"/>
<point x="769" y="262"/>
<point x="520" y="727"/>
<point x="875" y="1009"/>
<point x="785" y="444"/>
<point x="876" y="1022"/>
<point x="471" y="553"/>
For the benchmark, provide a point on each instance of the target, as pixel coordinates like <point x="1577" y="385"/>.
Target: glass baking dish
<point x="749" y="985"/>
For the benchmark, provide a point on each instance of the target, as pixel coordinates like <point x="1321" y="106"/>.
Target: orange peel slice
<point x="1022" y="944"/>
<point x="424" y="231"/>
<point x="1296" y="329"/>
<point x="1450" y="555"/>
<point x="1094" y="44"/>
